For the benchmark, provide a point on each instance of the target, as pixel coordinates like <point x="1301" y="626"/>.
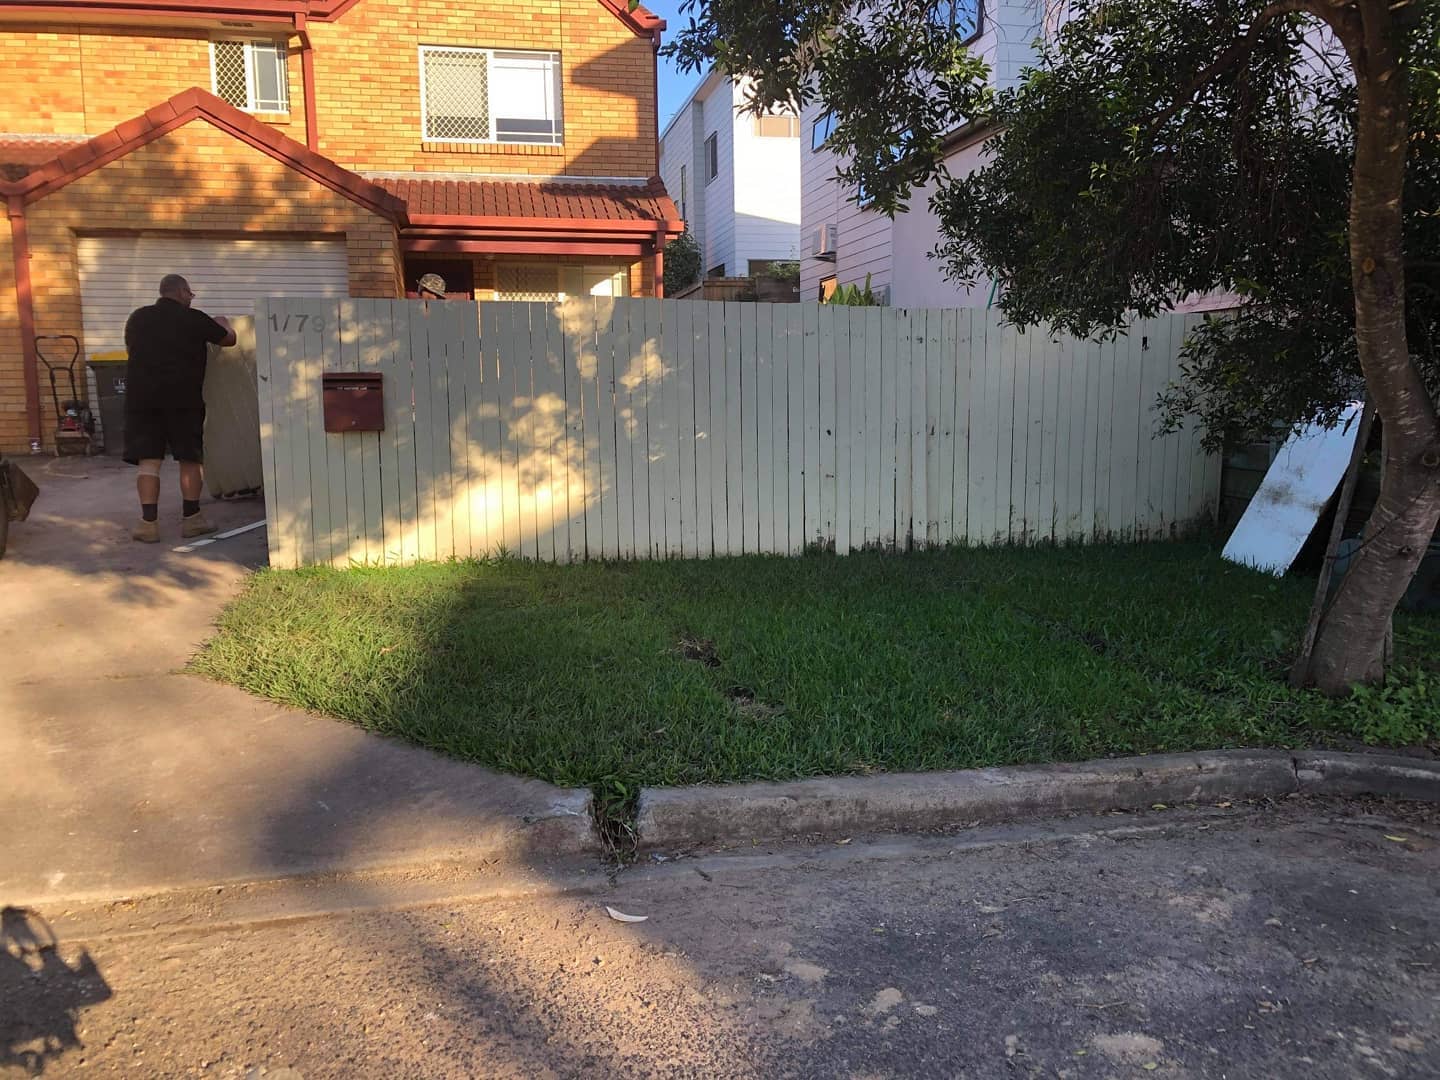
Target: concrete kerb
<point x="680" y="818"/>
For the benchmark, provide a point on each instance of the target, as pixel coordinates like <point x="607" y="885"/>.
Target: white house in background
<point x="735" y="178"/>
<point x="842" y="242"/>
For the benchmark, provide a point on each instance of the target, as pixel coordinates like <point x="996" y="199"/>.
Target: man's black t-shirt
<point x="167" y="345"/>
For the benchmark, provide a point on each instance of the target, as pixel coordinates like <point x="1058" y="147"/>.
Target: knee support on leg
<point x="149" y="468"/>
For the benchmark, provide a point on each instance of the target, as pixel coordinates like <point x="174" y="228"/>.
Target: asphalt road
<point x="1291" y="940"/>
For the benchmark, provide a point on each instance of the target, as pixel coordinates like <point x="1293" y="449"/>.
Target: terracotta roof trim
<point x="194" y="104"/>
<point x="536" y="205"/>
<point x="21" y="154"/>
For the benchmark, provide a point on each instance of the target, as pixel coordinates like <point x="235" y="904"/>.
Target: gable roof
<point x="640" y="21"/>
<point x="77" y="160"/>
<point x="632" y="207"/>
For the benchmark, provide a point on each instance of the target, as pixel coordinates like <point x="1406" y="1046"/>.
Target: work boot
<point x="147" y="532"/>
<point x="197" y="524"/>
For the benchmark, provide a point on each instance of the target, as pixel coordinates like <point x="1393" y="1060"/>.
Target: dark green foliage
<point x="1121" y="177"/>
<point x="682" y="263"/>
<point x="853" y="296"/>
<point x="1100" y="200"/>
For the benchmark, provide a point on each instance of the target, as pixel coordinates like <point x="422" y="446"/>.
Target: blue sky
<point x="675" y="86"/>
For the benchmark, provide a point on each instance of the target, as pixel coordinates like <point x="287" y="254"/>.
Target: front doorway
<point x="459" y="277"/>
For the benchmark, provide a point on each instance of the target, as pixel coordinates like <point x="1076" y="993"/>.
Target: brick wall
<point x="196" y="180"/>
<point x="368" y="86"/>
<point x="88" y="80"/>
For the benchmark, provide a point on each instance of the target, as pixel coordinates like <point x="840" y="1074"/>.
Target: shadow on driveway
<point x="41" y="995"/>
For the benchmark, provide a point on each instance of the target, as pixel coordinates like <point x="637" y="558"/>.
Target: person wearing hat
<point x="430" y="287"/>
<point x="168" y="345"/>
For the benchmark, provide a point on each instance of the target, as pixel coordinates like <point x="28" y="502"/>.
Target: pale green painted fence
<point x="602" y="428"/>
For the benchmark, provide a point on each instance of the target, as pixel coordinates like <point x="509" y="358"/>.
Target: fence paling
<point x="650" y="429"/>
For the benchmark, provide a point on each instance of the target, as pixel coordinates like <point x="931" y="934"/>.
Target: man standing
<point x="164" y="405"/>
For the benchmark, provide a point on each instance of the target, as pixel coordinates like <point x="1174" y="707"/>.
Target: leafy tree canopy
<point x="1157" y="148"/>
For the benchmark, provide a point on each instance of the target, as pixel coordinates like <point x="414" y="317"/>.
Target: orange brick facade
<point x="86" y="80"/>
<point x="76" y="80"/>
<point x="231" y="189"/>
<point x="367" y="74"/>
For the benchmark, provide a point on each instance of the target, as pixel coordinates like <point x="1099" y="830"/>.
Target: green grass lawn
<point x="739" y="669"/>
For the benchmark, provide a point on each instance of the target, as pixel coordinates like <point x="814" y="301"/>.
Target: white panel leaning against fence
<point x="612" y="428"/>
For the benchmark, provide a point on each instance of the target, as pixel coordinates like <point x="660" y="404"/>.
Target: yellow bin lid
<point x="118" y="356"/>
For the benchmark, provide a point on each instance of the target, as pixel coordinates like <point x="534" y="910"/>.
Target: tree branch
<point x="1238" y="50"/>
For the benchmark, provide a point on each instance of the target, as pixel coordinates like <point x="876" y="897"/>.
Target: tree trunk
<point x="1300" y="672"/>
<point x="1350" y="646"/>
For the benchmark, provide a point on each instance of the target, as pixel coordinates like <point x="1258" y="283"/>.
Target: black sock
<point x="189" y="507"/>
<point x="149" y="511"/>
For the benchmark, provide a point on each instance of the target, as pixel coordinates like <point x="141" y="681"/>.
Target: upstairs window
<point x="822" y="129"/>
<point x="777" y="126"/>
<point x="250" y="75"/>
<point x="963" y="18"/>
<point x="490" y="95"/>
<point x="712" y="157"/>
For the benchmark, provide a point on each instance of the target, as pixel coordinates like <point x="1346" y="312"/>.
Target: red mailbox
<point x="353" y="401"/>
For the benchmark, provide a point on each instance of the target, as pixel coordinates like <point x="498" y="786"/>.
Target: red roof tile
<point x="20" y="154"/>
<point x="571" y="201"/>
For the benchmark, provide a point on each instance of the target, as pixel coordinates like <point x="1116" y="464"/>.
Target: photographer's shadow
<point x="40" y="994"/>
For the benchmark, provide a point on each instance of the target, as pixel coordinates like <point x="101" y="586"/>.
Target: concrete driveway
<point x="125" y="776"/>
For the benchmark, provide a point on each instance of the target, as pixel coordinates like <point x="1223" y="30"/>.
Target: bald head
<point x="175" y="287"/>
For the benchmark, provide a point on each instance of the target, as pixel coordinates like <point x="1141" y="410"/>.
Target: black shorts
<point x="151" y="432"/>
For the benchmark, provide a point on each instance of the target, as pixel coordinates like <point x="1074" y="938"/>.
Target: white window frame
<point x="825" y="122"/>
<point x="282" y="58"/>
<point x="557" y="137"/>
<point x="712" y="157"/>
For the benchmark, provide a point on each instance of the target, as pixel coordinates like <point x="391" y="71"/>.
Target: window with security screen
<point x="490" y="95"/>
<point x="527" y="281"/>
<point x="251" y="75"/>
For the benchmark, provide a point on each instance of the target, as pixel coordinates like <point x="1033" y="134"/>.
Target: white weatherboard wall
<point x="751" y="210"/>
<point x="895" y="254"/>
<point x="865" y="235"/>
<point x="917" y="279"/>
<point x="767" y="192"/>
<point x="612" y="428"/>
<point x="719" y="194"/>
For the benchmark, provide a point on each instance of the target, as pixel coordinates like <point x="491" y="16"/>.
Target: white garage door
<point x="119" y="274"/>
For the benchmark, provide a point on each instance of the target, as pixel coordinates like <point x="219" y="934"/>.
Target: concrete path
<point x="123" y="776"/>
<point x="1294" y="940"/>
